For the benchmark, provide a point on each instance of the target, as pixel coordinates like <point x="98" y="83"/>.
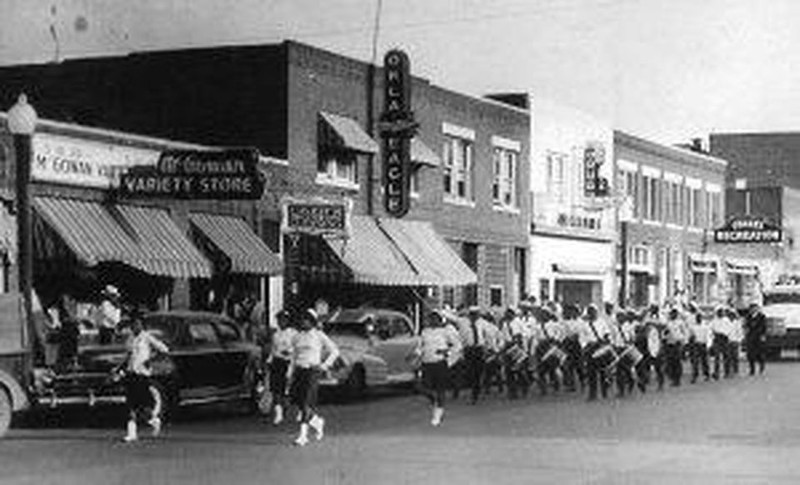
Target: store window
<point x="504" y="186"/>
<point x="457" y="159"/>
<point x="652" y="198"/>
<point x="628" y="181"/>
<point x="556" y="174"/>
<point x="697" y="211"/>
<point x="415" y="169"/>
<point x="338" y="166"/>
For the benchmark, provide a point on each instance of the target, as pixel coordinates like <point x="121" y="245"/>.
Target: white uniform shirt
<point x="282" y="343"/>
<point x="736" y="330"/>
<point x="141" y="349"/>
<point x="701" y="333"/>
<point x="677" y="331"/>
<point x="308" y="347"/>
<point x="721" y="325"/>
<point x="108" y="315"/>
<point x="437" y="344"/>
<point x="588" y="336"/>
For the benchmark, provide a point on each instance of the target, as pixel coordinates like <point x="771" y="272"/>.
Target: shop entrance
<point x="579" y="292"/>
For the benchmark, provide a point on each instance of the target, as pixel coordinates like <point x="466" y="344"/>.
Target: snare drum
<point x="602" y="354"/>
<point x="550" y="353"/>
<point x="515" y="356"/>
<point x="630" y="356"/>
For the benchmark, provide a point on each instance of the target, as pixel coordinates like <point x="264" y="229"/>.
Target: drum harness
<point x="554" y="348"/>
<point x="602" y="350"/>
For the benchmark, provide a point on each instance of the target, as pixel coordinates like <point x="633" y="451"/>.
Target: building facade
<point x="319" y="111"/>
<point x="665" y="247"/>
<point x="572" y="227"/>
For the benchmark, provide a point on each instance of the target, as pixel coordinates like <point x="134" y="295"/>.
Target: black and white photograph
<point x="399" y="242"/>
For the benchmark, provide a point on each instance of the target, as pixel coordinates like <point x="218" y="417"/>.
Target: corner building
<point x="319" y="111"/>
<point x="675" y="200"/>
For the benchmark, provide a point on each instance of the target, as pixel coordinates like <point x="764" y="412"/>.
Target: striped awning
<point x="88" y="230"/>
<point x="164" y="250"/>
<point x="433" y="260"/>
<point x="243" y="250"/>
<point x="372" y="257"/>
<point x="420" y="153"/>
<point x="346" y="132"/>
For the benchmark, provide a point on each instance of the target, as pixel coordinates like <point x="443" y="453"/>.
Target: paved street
<point x="743" y="430"/>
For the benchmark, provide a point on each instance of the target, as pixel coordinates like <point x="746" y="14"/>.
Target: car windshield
<point x="355" y="329"/>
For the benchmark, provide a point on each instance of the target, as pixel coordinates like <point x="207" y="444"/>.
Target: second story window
<point x="457" y="163"/>
<point x="628" y="183"/>
<point x="557" y="174"/>
<point x="505" y="165"/>
<point x="341" y="143"/>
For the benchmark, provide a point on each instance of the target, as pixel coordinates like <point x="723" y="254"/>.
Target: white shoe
<point x="318" y="423"/>
<point x="155" y="422"/>
<point x="278" y="419"/>
<point x="437" y="416"/>
<point x="131" y="435"/>
<point x="299" y="416"/>
<point x="302" y="438"/>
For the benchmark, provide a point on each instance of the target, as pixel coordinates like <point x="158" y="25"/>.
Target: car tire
<point x="6" y="411"/>
<point x="356" y="384"/>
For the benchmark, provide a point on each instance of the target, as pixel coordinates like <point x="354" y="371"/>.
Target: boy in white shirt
<point x="279" y="359"/>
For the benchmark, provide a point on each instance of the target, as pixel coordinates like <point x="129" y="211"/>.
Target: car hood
<point x="348" y="343"/>
<point x="101" y="358"/>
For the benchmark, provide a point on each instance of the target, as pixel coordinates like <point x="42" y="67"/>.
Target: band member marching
<point x="309" y="345"/>
<point x="438" y="345"/>
<point x="517" y="354"/>
<point x="573" y="371"/>
<point x="721" y="331"/>
<point x="598" y="352"/>
<point x="139" y="395"/>
<point x="649" y="336"/>
<point x="279" y="359"/>
<point x="676" y="335"/>
<point x="475" y="351"/>
<point x="629" y="356"/>
<point x="550" y="357"/>
<point x="699" y="343"/>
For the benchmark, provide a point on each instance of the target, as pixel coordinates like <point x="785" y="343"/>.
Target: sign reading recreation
<point x="316" y="216"/>
<point x="197" y="174"/>
<point x="397" y="129"/>
<point x="748" y="231"/>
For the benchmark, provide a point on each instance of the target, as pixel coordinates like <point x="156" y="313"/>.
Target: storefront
<point x="160" y="252"/>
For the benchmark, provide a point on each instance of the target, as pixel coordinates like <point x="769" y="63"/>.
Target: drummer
<point x="573" y="327"/>
<point x="550" y="333"/>
<point x="622" y="336"/>
<point x="595" y="344"/>
<point x="517" y="335"/>
<point x="699" y="343"/>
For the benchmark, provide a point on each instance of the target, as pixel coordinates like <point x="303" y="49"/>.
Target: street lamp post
<point x="22" y="123"/>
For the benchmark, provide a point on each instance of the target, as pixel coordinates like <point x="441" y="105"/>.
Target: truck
<point x="16" y="360"/>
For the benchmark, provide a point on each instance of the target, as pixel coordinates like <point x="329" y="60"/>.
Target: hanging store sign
<point x="316" y="216"/>
<point x="198" y="174"/>
<point x="397" y="128"/>
<point x="748" y="230"/>
<point x="64" y="160"/>
<point x="593" y="158"/>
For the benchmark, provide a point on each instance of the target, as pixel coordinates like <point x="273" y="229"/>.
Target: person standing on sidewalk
<point x="437" y="347"/>
<point x="312" y="354"/>
<point x="755" y="330"/>
<point x="142" y="347"/>
<point x="279" y="359"/>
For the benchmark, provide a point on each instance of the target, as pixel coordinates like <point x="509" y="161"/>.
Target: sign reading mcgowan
<point x="197" y="174"/>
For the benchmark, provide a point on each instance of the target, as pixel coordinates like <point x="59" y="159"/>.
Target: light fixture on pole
<point x="22" y="120"/>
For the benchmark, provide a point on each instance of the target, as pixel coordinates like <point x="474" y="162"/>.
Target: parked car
<point x="377" y="347"/>
<point x="783" y="330"/>
<point x="208" y="361"/>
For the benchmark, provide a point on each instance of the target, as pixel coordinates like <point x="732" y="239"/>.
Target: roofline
<point x="75" y="128"/>
<point x="659" y="146"/>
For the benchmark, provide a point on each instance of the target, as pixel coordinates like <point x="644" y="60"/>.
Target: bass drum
<point x="649" y="339"/>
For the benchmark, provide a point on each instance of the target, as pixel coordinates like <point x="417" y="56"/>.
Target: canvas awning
<point x="242" y="250"/>
<point x="164" y="250"/>
<point x="88" y="230"/>
<point x="422" y="154"/>
<point x="347" y="133"/>
<point x="394" y="252"/>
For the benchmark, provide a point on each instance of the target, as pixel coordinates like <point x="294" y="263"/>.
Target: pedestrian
<point x="313" y="353"/>
<point x="720" y="345"/>
<point x="278" y="362"/>
<point x="437" y="348"/>
<point x="699" y="343"/>
<point x="139" y="395"/>
<point x="675" y="336"/>
<point x="755" y="330"/>
<point x="108" y="314"/>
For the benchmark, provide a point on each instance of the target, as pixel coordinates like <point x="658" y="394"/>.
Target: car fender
<point x="19" y="399"/>
<point x="375" y="369"/>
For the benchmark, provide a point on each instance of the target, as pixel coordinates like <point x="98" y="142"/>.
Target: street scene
<point x="360" y="242"/>
<point x="718" y="432"/>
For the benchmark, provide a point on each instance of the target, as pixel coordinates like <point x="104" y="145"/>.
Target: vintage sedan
<point x="377" y="347"/>
<point x="208" y="361"/>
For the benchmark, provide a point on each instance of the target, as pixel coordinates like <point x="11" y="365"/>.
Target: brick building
<point x="665" y="245"/>
<point x="312" y="108"/>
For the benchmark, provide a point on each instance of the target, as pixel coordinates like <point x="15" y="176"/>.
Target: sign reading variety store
<point x="748" y="231"/>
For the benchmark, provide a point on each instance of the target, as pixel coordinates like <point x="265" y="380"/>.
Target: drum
<point x="602" y="354"/>
<point x="549" y="353"/>
<point x="630" y="356"/>
<point x="649" y="339"/>
<point x="515" y="356"/>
